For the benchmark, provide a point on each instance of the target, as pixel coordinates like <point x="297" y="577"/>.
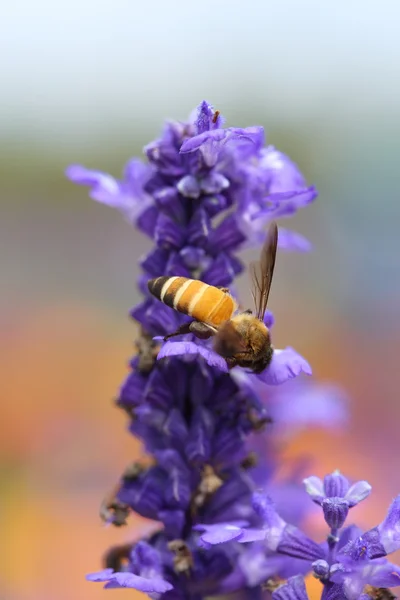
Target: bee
<point x="242" y="339"/>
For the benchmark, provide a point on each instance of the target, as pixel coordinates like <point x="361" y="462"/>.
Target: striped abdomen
<point x="201" y="301"/>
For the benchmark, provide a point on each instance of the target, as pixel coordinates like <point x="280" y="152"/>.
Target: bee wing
<point x="228" y="341"/>
<point x="262" y="272"/>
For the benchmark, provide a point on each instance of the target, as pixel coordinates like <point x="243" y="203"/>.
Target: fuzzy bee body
<point x="242" y="339"/>
<point x="203" y="302"/>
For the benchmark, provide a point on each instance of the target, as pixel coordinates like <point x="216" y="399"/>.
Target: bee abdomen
<point x="165" y="288"/>
<point x="195" y="298"/>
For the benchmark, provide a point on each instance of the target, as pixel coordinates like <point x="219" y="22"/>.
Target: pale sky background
<point x="68" y="65"/>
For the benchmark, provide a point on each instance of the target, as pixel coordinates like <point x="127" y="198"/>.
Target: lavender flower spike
<point x="202" y="193"/>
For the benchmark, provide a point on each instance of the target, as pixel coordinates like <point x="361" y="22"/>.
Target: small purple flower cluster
<point x="350" y="564"/>
<point x="205" y="193"/>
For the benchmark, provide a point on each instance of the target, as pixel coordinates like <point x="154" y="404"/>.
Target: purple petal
<point x="192" y="257"/>
<point x="219" y="533"/>
<point x="228" y="235"/>
<point x="147" y="220"/>
<point x="251" y="134"/>
<point x="269" y="319"/>
<point x="214" y="183"/>
<point x="171" y="459"/>
<point x="145" y="556"/>
<point x="195" y="142"/>
<point x="191" y="348"/>
<point x="105" y="188"/>
<point x="306" y="404"/>
<point x="293" y="589"/>
<point x="210" y="143"/>
<point x="167" y="233"/>
<point x="389" y="529"/>
<point x="315" y="488"/>
<point x="220" y="272"/>
<point x="130" y="199"/>
<point x="378" y="573"/>
<point x="336" y="485"/>
<point x="189" y="187"/>
<point x="173" y="521"/>
<point x="358" y="492"/>
<point x="284" y="204"/>
<point x="274" y="525"/>
<point x="383" y="575"/>
<point x="333" y="591"/>
<point x="153" y="585"/>
<point x="286" y="364"/>
<point x="285" y="174"/>
<point x="367" y="545"/>
<point x="295" y="543"/>
<point x="291" y="240"/>
<point x="103" y="575"/>
<point x="252" y="535"/>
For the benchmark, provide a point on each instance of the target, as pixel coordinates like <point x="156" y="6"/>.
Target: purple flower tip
<point x="286" y="364"/>
<point x="335" y="511"/>
<point x="336" y="486"/>
<point x="126" y="579"/>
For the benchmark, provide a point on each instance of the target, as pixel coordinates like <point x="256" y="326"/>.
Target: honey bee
<point x="242" y="339"/>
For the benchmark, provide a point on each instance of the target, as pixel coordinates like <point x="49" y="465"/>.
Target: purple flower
<point x="145" y="572"/>
<point x="201" y="166"/>
<point x="336" y="496"/>
<point x="128" y="196"/>
<point x="345" y="564"/>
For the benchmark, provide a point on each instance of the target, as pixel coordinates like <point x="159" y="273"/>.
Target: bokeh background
<point x="91" y="82"/>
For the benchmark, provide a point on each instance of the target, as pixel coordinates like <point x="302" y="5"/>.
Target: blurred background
<point x="92" y="82"/>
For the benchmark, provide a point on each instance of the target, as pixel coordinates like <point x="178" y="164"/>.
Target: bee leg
<point x="202" y="330"/>
<point x="224" y="289"/>
<point x="185" y="328"/>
